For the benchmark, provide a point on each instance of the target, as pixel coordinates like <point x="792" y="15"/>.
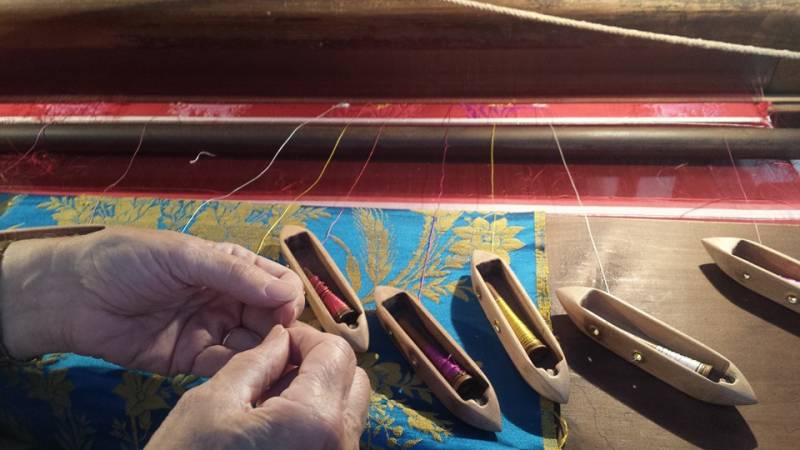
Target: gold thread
<point x="525" y="336"/>
<point x="542" y="269"/>
<point x="562" y="441"/>
<point x="491" y="178"/>
<point x="551" y="420"/>
<point x="307" y="190"/>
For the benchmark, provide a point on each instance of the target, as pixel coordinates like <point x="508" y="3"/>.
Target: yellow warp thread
<point x="524" y="335"/>
<point x="491" y="178"/>
<point x="306" y="191"/>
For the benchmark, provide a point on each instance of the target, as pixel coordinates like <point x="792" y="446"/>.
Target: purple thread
<point x="358" y="178"/>
<point x="427" y="257"/>
<point x="436" y="211"/>
<point x="449" y="369"/>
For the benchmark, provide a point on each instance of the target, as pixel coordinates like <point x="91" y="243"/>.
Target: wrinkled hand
<point x="298" y="389"/>
<point x="153" y="300"/>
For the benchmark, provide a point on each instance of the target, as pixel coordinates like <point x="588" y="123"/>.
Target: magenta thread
<point x="445" y="364"/>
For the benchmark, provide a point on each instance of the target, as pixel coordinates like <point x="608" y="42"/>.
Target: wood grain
<point x="662" y="268"/>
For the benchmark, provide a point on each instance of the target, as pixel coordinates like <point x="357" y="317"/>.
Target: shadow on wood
<point x="702" y="424"/>
<point x="751" y="302"/>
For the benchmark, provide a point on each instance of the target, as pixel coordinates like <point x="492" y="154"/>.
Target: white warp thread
<point x="627" y="32"/>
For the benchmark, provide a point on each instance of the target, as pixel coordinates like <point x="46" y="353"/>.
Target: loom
<point x="634" y="148"/>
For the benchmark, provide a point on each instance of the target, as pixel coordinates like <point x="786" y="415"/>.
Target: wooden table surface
<point x="662" y="268"/>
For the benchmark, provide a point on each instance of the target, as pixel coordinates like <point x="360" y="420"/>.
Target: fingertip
<point x="282" y="291"/>
<point x="276" y="333"/>
<point x="285" y="314"/>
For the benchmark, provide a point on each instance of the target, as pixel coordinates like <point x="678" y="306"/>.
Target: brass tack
<point x="746" y="276"/>
<point x="496" y="326"/>
<point x="792" y="299"/>
<point x="637" y="356"/>
<point x="594" y="331"/>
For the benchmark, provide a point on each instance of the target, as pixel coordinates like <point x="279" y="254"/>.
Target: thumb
<point x="250" y="373"/>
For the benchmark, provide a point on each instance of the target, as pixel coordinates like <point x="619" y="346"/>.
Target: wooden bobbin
<point x="307" y="257"/>
<point x="544" y="369"/>
<point x="469" y="396"/>
<point x="636" y="336"/>
<point x="759" y="268"/>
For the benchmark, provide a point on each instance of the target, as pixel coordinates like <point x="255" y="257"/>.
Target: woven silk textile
<point x="76" y="402"/>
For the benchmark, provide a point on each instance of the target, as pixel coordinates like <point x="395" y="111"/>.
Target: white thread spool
<point x="791" y="280"/>
<point x="685" y="361"/>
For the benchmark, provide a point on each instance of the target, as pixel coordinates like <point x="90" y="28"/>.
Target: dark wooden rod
<point x="418" y="143"/>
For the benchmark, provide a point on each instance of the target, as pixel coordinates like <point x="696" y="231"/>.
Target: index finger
<point x="202" y="265"/>
<point x="327" y="366"/>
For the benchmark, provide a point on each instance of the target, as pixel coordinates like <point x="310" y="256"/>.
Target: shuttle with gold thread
<point x="453" y="377"/>
<point x="759" y="268"/>
<point x="522" y="330"/>
<point x="333" y="301"/>
<point x="655" y="347"/>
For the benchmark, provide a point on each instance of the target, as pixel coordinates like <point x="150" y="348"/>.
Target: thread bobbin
<point x="461" y="381"/>
<point x="340" y="310"/>
<point x="535" y="348"/>
<point x="690" y="363"/>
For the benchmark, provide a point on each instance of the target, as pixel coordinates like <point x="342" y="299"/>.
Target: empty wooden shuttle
<point x="49" y="232"/>
<point x="320" y="275"/>
<point x="539" y="358"/>
<point x="466" y="392"/>
<point x="759" y="268"/>
<point x="669" y="355"/>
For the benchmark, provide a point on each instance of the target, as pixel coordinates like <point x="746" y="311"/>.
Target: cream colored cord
<point x="627" y="32"/>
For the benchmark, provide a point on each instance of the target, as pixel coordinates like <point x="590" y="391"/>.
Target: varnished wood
<point x="483" y="414"/>
<point x="49" y="232"/>
<point x="384" y="49"/>
<point x="416" y="143"/>
<point x="661" y="268"/>
<point x="601" y="316"/>
<point x="554" y="384"/>
<point x="325" y="268"/>
<point x="757" y="267"/>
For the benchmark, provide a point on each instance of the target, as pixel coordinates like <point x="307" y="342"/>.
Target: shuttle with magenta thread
<point x="655" y="347"/>
<point x="452" y="376"/>
<point x="330" y="296"/>
<point x="523" y="332"/>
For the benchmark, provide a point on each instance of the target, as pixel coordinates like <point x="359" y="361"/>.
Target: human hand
<point x="153" y="300"/>
<point x="259" y="399"/>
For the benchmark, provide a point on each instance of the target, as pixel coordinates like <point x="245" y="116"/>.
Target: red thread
<point x="336" y="306"/>
<point x="358" y="178"/>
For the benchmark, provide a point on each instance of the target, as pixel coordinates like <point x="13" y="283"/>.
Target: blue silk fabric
<point x="78" y="402"/>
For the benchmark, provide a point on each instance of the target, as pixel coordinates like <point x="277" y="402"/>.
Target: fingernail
<point x="276" y="332"/>
<point x="281" y="290"/>
<point x="285" y="314"/>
